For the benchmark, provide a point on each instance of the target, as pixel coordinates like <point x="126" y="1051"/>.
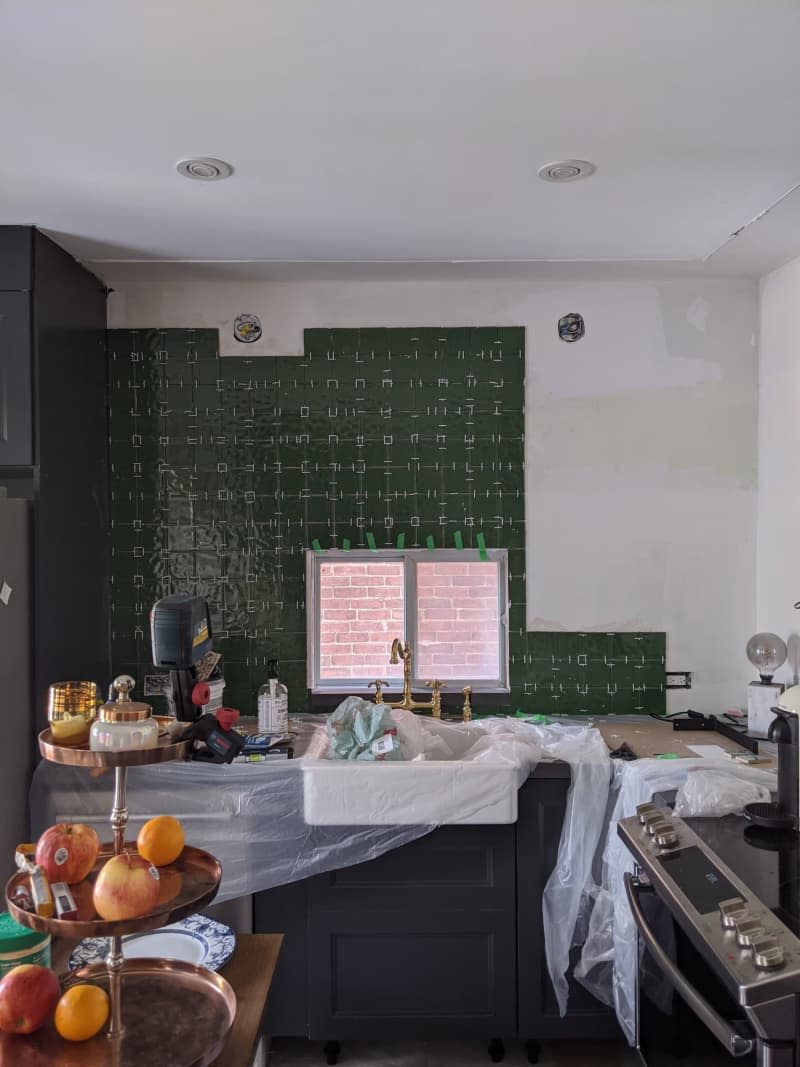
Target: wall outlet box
<point x="761" y="698"/>
<point x="678" y="679"/>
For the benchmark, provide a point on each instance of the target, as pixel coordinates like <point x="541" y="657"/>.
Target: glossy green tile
<point x="255" y="458"/>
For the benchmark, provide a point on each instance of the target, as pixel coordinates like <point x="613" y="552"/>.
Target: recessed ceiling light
<point x="204" y="169"/>
<point x="566" y="170"/>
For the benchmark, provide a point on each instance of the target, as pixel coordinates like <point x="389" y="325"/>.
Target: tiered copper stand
<point x="174" y="1012"/>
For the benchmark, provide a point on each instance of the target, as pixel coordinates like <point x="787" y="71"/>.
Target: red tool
<point x="227" y="717"/>
<point x="201" y="694"/>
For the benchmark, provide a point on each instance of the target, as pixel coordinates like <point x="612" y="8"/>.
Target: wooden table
<point x="249" y="971"/>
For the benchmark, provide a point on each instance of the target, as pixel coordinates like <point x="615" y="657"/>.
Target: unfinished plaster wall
<point x="640" y="439"/>
<point x="778" y="566"/>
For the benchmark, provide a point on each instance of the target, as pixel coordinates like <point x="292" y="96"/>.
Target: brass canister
<point x="65" y="699"/>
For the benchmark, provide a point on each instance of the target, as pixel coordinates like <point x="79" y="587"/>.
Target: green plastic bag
<point x="359" y="729"/>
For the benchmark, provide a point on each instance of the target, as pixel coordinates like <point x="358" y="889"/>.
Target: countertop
<point x="647" y="738"/>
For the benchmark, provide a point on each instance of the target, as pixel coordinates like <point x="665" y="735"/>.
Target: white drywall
<point x="778" y="555"/>
<point x="640" y="439"/>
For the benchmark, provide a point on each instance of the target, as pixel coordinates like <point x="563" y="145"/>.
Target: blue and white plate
<point x="198" y="940"/>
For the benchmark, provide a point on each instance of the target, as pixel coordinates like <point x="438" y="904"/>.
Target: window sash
<point x="410" y="557"/>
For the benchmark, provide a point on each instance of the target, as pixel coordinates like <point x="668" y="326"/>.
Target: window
<point x="450" y="605"/>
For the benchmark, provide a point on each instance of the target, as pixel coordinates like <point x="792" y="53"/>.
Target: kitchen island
<point x="390" y="931"/>
<point x="440" y="937"/>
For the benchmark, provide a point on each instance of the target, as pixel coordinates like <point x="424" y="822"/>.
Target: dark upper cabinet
<point x="16" y="386"/>
<point x="54" y="449"/>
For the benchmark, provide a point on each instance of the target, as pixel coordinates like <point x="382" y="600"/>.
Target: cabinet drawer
<point x="458" y="867"/>
<point x="16" y="414"/>
<point x="422" y="976"/>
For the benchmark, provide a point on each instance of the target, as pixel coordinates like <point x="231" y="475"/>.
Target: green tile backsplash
<point x="226" y="470"/>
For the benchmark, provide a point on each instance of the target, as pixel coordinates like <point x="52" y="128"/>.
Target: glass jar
<point x="123" y="723"/>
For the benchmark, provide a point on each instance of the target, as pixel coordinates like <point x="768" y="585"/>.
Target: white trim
<point x="410" y="557"/>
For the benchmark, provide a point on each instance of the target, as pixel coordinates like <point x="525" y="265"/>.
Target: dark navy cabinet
<point x="440" y="938"/>
<point x="542" y="805"/>
<point x="54" y="449"/>
<point x="424" y="934"/>
<point x="16" y="381"/>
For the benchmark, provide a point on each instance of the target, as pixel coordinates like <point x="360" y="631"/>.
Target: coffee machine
<point x="785" y="732"/>
<point x="180" y="630"/>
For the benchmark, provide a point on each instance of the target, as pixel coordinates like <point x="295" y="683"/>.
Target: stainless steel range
<point x="733" y="891"/>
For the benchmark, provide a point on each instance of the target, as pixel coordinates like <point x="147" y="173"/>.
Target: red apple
<point x="28" y="995"/>
<point x="126" y="887"/>
<point x="67" y="851"/>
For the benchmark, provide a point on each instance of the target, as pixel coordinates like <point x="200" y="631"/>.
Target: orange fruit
<point x="160" y="840"/>
<point x="81" y="1012"/>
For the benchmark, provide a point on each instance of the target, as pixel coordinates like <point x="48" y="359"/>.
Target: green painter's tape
<point x="371" y="542"/>
<point x="316" y="545"/>
<point x="480" y="540"/>
<point x="457" y="539"/>
<point x="345" y="544"/>
<point x="401" y="540"/>
<point x="430" y="542"/>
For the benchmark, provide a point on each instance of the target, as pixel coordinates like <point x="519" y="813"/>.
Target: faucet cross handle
<point x="436" y="697"/>
<point x="466" y="709"/>
<point x="379" y="684"/>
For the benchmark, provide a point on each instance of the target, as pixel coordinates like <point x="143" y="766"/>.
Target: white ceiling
<point x="403" y="130"/>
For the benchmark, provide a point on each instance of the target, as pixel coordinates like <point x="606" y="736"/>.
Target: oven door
<point x="675" y="1024"/>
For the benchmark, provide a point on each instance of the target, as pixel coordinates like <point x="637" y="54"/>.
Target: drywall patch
<point x="697" y="314"/>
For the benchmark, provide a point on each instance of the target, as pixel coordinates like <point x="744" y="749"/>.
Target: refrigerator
<point x="17" y="752"/>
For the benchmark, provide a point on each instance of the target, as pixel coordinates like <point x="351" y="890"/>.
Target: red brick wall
<point x="457" y="620"/>
<point x="361" y="612"/>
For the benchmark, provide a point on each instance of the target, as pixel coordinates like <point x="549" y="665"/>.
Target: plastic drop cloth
<point x="359" y="729"/>
<point x="251" y="815"/>
<point x="608" y="963"/>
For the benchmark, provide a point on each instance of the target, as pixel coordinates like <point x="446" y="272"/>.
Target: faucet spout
<point x="402" y="651"/>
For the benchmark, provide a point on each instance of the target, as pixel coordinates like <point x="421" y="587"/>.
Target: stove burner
<point x="771" y="816"/>
<point x="767" y="861"/>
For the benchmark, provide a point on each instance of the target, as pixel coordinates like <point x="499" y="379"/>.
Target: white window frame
<point x="410" y="557"/>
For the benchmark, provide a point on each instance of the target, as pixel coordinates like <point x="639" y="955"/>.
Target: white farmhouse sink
<point x="419" y="793"/>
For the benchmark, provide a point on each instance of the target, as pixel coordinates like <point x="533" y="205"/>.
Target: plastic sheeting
<point x="608" y="963"/>
<point x="251" y="815"/>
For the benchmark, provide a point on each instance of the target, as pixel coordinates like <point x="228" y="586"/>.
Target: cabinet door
<point x="401" y="975"/>
<point x="542" y="805"/>
<point x="16" y="415"/>
<point x="419" y="943"/>
<point x="16" y="760"/>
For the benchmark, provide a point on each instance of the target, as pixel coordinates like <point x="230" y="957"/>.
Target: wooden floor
<point x="296" y="1053"/>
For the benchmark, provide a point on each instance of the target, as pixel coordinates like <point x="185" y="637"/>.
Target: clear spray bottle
<point x="273" y="704"/>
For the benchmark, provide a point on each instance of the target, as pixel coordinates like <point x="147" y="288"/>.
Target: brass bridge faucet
<point x="402" y="651"/>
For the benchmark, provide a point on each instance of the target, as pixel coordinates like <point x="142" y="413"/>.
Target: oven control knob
<point x="643" y="810"/>
<point x="660" y="827"/>
<point x="665" y="836"/>
<point x="767" y="953"/>
<point x="649" y="817"/>
<point x="733" y="911"/>
<point x="748" y="931"/>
